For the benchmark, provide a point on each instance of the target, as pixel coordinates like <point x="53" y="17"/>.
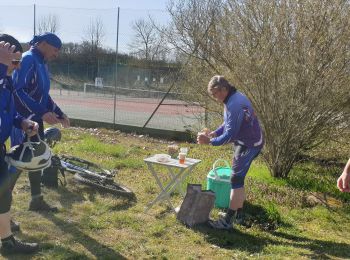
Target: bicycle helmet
<point x="52" y="135"/>
<point x="30" y="155"/>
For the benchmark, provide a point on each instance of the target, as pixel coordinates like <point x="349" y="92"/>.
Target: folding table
<point x="177" y="172"/>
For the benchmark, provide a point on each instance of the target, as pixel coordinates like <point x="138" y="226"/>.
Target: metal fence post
<point x="116" y="70"/>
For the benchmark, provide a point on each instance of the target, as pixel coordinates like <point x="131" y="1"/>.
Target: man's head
<point x="18" y="48"/>
<point x="49" y="44"/>
<point x="219" y="88"/>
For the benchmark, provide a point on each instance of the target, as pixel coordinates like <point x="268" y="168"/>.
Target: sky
<point x="74" y="16"/>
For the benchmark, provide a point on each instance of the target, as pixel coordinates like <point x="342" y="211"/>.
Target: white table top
<point x="173" y="162"/>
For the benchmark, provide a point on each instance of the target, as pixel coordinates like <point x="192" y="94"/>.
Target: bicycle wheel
<point x="75" y="165"/>
<point x="91" y="174"/>
<point x="104" y="185"/>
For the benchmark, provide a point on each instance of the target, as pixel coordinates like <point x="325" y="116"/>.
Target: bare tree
<point x="92" y="42"/>
<point x="94" y="33"/>
<point x="49" y="23"/>
<point x="291" y="57"/>
<point x="149" y="42"/>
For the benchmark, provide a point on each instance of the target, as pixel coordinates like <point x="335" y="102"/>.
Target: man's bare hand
<point x="50" y="118"/>
<point x="64" y="121"/>
<point x="343" y="182"/>
<point x="203" y="139"/>
<point x="30" y="127"/>
<point x="7" y="54"/>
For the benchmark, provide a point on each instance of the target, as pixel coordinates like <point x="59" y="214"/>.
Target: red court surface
<point x="172" y="114"/>
<point x="144" y="105"/>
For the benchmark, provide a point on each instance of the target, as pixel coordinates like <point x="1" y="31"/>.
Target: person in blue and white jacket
<point x="241" y="127"/>
<point x="10" y="54"/>
<point x="32" y="99"/>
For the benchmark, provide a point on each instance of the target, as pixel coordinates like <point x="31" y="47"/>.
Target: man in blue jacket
<point x="32" y="99"/>
<point x="241" y="127"/>
<point x="10" y="54"/>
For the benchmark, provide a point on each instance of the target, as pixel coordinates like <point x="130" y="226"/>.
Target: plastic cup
<point x="182" y="157"/>
<point x="184" y="150"/>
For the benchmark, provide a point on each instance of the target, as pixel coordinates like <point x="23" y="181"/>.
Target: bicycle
<point x="84" y="171"/>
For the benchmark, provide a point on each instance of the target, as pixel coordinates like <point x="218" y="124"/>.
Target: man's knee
<point x="237" y="181"/>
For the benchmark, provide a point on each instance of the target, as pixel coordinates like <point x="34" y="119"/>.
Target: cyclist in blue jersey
<point x="32" y="99"/>
<point x="343" y="182"/>
<point x="240" y="127"/>
<point x="10" y="54"/>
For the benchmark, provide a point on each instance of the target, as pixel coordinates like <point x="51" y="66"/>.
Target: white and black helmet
<point x="30" y="155"/>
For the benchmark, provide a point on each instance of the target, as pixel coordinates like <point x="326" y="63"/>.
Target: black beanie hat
<point x="11" y="40"/>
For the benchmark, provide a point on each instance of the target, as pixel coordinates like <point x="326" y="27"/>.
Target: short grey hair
<point x="219" y="82"/>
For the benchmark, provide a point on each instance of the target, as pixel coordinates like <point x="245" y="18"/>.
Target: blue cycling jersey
<point x="8" y="114"/>
<point x="241" y="125"/>
<point x="32" y="86"/>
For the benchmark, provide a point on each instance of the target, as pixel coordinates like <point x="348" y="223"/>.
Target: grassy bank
<point x="281" y="224"/>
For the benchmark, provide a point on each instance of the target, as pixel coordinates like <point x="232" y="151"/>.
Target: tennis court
<point x="135" y="111"/>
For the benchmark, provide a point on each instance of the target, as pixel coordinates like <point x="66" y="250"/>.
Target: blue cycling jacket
<point x="32" y="86"/>
<point x="8" y="114"/>
<point x="241" y="125"/>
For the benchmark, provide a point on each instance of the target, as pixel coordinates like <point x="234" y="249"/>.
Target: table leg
<point x="163" y="194"/>
<point x="173" y="176"/>
<point x="182" y="174"/>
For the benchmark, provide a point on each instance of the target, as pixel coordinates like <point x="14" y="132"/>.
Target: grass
<point x="92" y="225"/>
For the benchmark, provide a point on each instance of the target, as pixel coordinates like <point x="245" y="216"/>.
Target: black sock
<point x="229" y="215"/>
<point x="239" y="213"/>
<point x="35" y="183"/>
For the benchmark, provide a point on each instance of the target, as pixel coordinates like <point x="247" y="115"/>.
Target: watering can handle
<point x="216" y="162"/>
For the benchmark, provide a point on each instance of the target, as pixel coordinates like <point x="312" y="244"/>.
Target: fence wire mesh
<point x="114" y="65"/>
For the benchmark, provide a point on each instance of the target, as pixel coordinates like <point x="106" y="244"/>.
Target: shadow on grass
<point x="68" y="198"/>
<point x="254" y="244"/>
<point x="97" y="249"/>
<point x="61" y="252"/>
<point x="233" y="239"/>
<point x="268" y="220"/>
<point x="321" y="249"/>
<point x="258" y="216"/>
<point x="238" y="239"/>
<point x="58" y="252"/>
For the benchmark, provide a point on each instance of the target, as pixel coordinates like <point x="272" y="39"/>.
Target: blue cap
<point x="48" y="37"/>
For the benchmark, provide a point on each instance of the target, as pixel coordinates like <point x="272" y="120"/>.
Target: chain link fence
<point x="114" y="65"/>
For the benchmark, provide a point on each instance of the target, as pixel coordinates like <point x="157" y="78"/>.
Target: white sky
<point x="75" y="15"/>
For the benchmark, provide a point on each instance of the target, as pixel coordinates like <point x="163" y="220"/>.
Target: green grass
<point x="92" y="225"/>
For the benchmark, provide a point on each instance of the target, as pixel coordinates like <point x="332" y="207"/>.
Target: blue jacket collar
<point x="231" y="92"/>
<point x="38" y="54"/>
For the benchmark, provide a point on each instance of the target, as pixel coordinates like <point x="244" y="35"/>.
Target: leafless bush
<point x="148" y="42"/>
<point x="290" y="57"/>
<point x="49" y="23"/>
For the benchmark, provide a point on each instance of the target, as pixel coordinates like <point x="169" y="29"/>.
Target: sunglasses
<point x="15" y="62"/>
